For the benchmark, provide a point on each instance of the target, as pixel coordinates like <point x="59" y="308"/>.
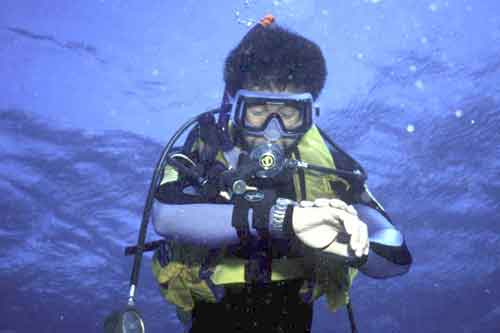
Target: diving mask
<point x="272" y="115"/>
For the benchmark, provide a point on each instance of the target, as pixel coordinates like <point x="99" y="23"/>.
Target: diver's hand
<point x="332" y="226"/>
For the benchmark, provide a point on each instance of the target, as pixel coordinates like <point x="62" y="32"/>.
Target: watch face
<point x="284" y="202"/>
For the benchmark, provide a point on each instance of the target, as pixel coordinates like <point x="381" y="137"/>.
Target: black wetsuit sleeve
<point x="389" y="255"/>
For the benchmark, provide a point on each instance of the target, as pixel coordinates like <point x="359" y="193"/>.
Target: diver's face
<point x="257" y="115"/>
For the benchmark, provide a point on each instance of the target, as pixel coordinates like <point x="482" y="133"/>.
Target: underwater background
<point x="90" y="91"/>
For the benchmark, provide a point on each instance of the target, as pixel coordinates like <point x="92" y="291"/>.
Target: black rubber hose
<point x="350" y="314"/>
<point x="160" y="166"/>
<point x="343" y="173"/>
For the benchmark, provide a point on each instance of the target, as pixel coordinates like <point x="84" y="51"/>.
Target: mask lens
<point x="257" y="113"/>
<point x="292" y="116"/>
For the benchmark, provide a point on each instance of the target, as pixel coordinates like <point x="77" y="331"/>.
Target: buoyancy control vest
<point x="196" y="273"/>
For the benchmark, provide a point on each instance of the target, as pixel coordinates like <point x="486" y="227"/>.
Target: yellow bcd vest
<point x="180" y="281"/>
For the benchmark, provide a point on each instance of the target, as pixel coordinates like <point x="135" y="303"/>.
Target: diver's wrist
<point x="280" y="218"/>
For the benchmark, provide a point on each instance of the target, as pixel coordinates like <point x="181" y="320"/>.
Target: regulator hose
<point x="157" y="174"/>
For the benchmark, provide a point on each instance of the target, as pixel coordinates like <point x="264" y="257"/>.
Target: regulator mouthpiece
<point x="271" y="159"/>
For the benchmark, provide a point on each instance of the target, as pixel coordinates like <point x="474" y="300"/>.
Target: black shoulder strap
<point x="191" y="139"/>
<point x="344" y="161"/>
<point x="347" y="161"/>
<point x="209" y="136"/>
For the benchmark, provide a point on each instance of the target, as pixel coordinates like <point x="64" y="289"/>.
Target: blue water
<point x="91" y="90"/>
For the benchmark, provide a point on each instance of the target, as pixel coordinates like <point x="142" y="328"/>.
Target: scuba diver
<point x="260" y="212"/>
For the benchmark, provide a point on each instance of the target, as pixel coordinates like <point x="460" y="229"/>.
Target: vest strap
<point x="205" y="273"/>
